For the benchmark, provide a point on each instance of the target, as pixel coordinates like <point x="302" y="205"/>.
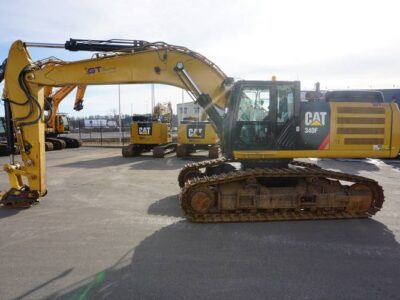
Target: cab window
<point x="285" y="105"/>
<point x="254" y="104"/>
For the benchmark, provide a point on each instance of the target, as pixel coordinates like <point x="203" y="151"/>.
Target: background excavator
<point x="151" y="133"/>
<point x="58" y="124"/>
<point x="194" y="135"/>
<point x="262" y="126"/>
<point x="3" y="137"/>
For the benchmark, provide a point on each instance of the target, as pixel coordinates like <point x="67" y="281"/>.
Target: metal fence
<point x="99" y="135"/>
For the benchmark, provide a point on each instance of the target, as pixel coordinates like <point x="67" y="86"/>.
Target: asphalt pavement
<point x="111" y="228"/>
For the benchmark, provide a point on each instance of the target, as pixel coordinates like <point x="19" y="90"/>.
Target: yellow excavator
<point x="194" y="135"/>
<point x="57" y="123"/>
<point x="262" y="126"/>
<point x="151" y="133"/>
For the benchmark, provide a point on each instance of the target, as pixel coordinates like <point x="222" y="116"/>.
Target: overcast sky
<point x="342" y="44"/>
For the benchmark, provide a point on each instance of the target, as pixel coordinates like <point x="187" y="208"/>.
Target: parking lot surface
<point x="111" y="227"/>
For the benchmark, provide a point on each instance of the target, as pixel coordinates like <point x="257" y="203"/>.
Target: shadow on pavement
<point x="8" y="212"/>
<point x="353" y="166"/>
<point x="136" y="163"/>
<point x="98" y="162"/>
<point x="195" y="158"/>
<point x="394" y="163"/>
<point x="342" y="259"/>
<point x="150" y="163"/>
<point x="63" y="274"/>
<point x="168" y="206"/>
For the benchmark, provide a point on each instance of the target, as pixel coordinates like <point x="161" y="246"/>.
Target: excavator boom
<point x="138" y="63"/>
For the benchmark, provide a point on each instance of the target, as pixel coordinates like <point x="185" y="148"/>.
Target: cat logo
<point x="144" y="130"/>
<point x="195" y="133"/>
<point x="315" y="118"/>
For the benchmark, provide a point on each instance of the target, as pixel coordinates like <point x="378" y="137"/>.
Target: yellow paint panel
<point x="363" y="127"/>
<point x="210" y="136"/>
<point x="310" y="153"/>
<point x="160" y="134"/>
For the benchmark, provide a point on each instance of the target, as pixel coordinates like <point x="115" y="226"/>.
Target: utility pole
<point x="119" y="114"/>
<point x="153" y="98"/>
<point x="183" y="100"/>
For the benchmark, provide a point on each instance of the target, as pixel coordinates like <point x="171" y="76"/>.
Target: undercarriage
<point x="61" y="142"/>
<point x="159" y="151"/>
<point x="215" y="191"/>
<point x="185" y="150"/>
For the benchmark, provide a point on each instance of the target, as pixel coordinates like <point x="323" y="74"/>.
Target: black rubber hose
<point x="31" y="100"/>
<point x="3" y="70"/>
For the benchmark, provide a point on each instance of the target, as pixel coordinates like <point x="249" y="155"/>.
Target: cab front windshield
<point x="262" y="114"/>
<point x="64" y="120"/>
<point x="254" y="104"/>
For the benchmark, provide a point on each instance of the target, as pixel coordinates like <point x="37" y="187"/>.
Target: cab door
<point x="262" y="115"/>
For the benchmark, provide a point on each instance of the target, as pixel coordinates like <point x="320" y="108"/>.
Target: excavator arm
<point x="56" y="98"/>
<point x="80" y="93"/>
<point x="132" y="63"/>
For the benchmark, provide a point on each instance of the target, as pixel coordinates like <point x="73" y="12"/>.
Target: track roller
<point x="202" y="200"/>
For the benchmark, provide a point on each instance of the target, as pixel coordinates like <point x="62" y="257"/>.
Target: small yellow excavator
<point x="151" y="133"/>
<point x="194" y="135"/>
<point x="262" y="125"/>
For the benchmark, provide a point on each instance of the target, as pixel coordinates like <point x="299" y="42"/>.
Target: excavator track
<point x="49" y="146"/>
<point x="58" y="144"/>
<point x="161" y="150"/>
<point x="207" y="185"/>
<point x="71" y="142"/>
<point x="131" y="150"/>
<point x="182" y="150"/>
<point x="194" y="168"/>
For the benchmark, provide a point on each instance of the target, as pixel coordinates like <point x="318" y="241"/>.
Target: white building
<point x="188" y="110"/>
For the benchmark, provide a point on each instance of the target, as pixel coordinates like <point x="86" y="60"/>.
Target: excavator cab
<point x="264" y="115"/>
<point x="62" y="124"/>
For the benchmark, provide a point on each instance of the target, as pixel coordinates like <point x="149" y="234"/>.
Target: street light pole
<point x="119" y="114"/>
<point x="153" y="97"/>
<point x="183" y="99"/>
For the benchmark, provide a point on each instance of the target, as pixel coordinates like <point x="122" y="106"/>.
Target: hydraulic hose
<point x="3" y="70"/>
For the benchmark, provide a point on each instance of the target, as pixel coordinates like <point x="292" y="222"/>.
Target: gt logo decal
<point x="93" y="70"/>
